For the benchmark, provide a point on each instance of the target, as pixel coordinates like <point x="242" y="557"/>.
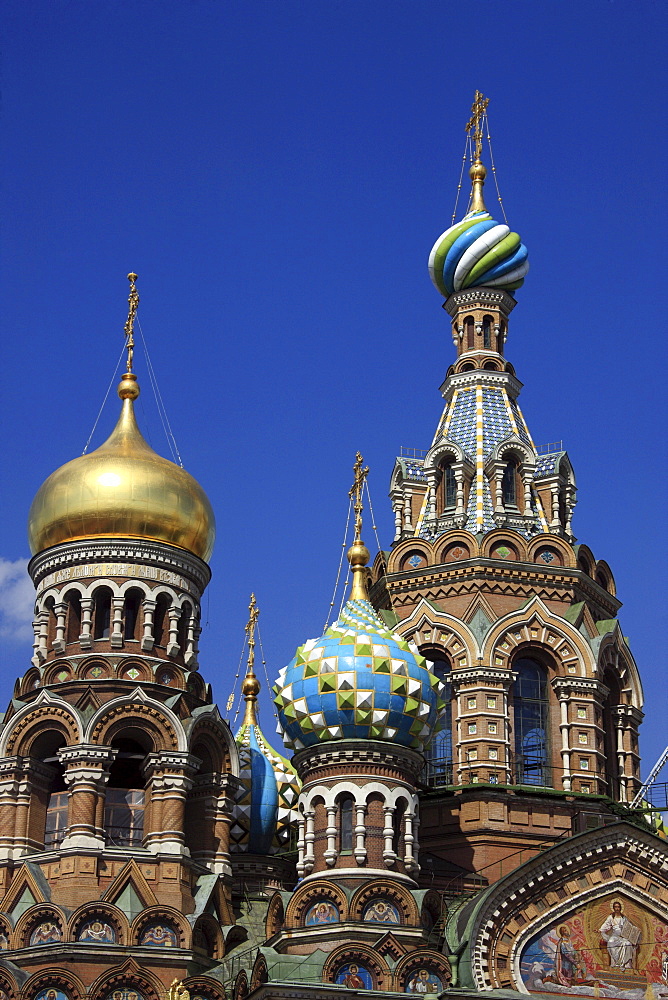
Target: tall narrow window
<point x="184" y="625"/>
<point x="509" y="484"/>
<point x="102" y="619"/>
<point x="613" y="699"/>
<point x="449" y="486"/>
<point x="131" y="607"/>
<point x="398" y="825"/>
<point x="346" y="823"/>
<point x="56" y="820"/>
<point x="487" y="332"/>
<point x="530" y="714"/>
<point x="439" y="751"/>
<point x="499" y="338"/>
<point x="161" y="620"/>
<point x="470" y="333"/>
<point x="73" y="616"/>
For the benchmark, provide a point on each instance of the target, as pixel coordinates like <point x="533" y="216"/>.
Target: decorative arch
<point x="536" y="626"/>
<point x="260" y="973"/>
<point x="241" y="989"/>
<point x="132" y="668"/>
<point x="604" y="578"/>
<point x="207" y="936"/>
<point x="58" y="673"/>
<point x="212" y="730"/>
<point x="31" y="680"/>
<point x="385" y="889"/>
<point x="66" y="982"/>
<point x="446" y="546"/>
<point x="428" y="626"/>
<point x="358" y="955"/>
<point x="411" y="965"/>
<point x="94" y="668"/>
<point x="137" y="710"/>
<point x="275" y="916"/>
<point x="585" y="559"/>
<point x="495" y="541"/>
<point x="163" y="915"/>
<point x="307" y="895"/>
<point x="445" y="448"/>
<point x="41" y="914"/>
<point x="557" y="544"/>
<point x="8" y="985"/>
<point x="203" y="988"/>
<point x="129" y="975"/>
<point x="404" y="548"/>
<point x="105" y="913"/>
<point x="30" y="722"/>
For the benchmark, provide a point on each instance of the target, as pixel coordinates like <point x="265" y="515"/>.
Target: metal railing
<point x="124" y="836"/>
<point x="550" y="448"/>
<point x="412" y="452"/>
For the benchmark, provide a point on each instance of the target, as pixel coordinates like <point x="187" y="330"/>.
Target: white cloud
<point x="17" y="600"/>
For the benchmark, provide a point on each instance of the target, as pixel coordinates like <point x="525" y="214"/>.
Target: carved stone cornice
<point x="358" y="753"/>
<point x="480" y="674"/>
<point x="143" y="559"/>
<point x="582" y="685"/>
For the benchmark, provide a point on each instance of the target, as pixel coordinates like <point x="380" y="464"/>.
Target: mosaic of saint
<point x="52" y="994"/>
<point x="611" y="947"/>
<point x="45" y="933"/>
<point x="423" y="981"/>
<point x="322" y="912"/>
<point x="97" y="932"/>
<point x="159" y="935"/>
<point x="125" y="993"/>
<point x="354" y="976"/>
<point x="380" y="911"/>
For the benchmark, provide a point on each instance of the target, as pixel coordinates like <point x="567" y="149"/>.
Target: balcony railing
<point x="124" y="836"/>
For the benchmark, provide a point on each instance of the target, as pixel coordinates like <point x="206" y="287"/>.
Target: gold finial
<point x="477" y="172"/>
<point x="358" y="554"/>
<point x="251" y="686"/>
<point x="177" y="991"/>
<point x="128" y="388"/>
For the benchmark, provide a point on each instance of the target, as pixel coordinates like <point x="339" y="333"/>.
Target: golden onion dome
<point x="122" y="490"/>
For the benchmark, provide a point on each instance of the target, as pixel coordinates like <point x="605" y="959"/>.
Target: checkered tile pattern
<point x="358" y="681"/>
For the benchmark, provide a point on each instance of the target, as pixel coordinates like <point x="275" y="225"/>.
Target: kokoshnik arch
<point x="453" y="809"/>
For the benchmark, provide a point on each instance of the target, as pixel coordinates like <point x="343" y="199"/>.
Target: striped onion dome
<point x="359" y="680"/>
<point x="478" y="251"/>
<point x="266" y="810"/>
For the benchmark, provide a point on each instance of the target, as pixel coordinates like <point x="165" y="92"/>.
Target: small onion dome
<point x="478" y="251"/>
<point x="122" y="490"/>
<point x="266" y="809"/>
<point x="358" y="681"/>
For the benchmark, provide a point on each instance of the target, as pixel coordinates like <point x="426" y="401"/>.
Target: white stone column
<point x="117" y="622"/>
<point x="459" y="478"/>
<point x="41" y="631"/>
<point x="565" y="741"/>
<point x="309" y="842"/>
<point x="301" y="847"/>
<point x="360" y="833"/>
<point x="526" y="483"/>
<point x="410" y="862"/>
<point x="397" y="505"/>
<point x="555" y="523"/>
<point x="389" y="857"/>
<point x="173" y="648"/>
<point x="60" y="610"/>
<point x="191" y="641"/>
<point x="147" y="640"/>
<point x="331" y="852"/>
<point x="431" y="493"/>
<point x="408" y="520"/>
<point x="86" y="636"/>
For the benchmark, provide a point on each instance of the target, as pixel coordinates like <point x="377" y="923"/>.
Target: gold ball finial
<point x="250" y="687"/>
<point x="128" y="388"/>
<point x="478" y="171"/>
<point x="358" y="554"/>
<point x="132" y="277"/>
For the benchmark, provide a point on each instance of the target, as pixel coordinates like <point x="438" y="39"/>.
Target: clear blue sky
<point x="276" y="173"/>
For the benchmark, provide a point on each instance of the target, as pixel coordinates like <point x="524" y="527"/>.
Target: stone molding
<point x="366" y="753"/>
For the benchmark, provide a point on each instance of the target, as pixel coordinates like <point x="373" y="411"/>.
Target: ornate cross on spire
<point x="251" y="685"/>
<point x="474" y="123"/>
<point x="250" y="632"/>
<point x="355" y="493"/>
<point x="133" y="302"/>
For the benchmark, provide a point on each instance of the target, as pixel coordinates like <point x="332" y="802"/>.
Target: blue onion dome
<point x="478" y="251"/>
<point x="359" y="680"/>
<point x="266" y="809"/>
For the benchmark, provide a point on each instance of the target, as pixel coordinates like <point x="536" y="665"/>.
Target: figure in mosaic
<point x="621" y="937"/>
<point x="159" y="936"/>
<point x="45" y="933"/>
<point x="423" y="981"/>
<point x="381" y="912"/>
<point x="323" y="912"/>
<point x="354" y="977"/>
<point x="97" y="932"/>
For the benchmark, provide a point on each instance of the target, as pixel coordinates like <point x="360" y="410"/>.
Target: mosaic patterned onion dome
<point x="266" y="810"/>
<point x="358" y="681"/>
<point x="478" y="251"/>
<point x="123" y="489"/>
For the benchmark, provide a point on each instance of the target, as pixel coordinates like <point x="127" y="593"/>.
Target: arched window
<point x="613" y="698"/>
<point x="161" y="620"/>
<point x="346" y="822"/>
<point x="530" y="723"/>
<point x="469" y="327"/>
<point x="131" y="606"/>
<point x="398" y="825"/>
<point x="124" y="801"/>
<point x="487" y="332"/>
<point x="102" y="613"/>
<point x="439" y="751"/>
<point x="184" y="624"/>
<point x="45" y="749"/>
<point x="51" y="625"/>
<point x="499" y="338"/>
<point x="73" y="601"/>
<point x="509" y="484"/>
<point x="448" y="486"/>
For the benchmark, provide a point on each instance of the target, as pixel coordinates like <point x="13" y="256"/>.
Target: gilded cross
<point x="133" y="302"/>
<point x="177" y="991"/>
<point x="250" y="631"/>
<point x="478" y="109"/>
<point x="355" y="493"/>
